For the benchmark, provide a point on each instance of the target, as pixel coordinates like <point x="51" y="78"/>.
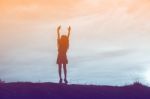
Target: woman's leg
<point x="59" y="71"/>
<point x="65" y="73"/>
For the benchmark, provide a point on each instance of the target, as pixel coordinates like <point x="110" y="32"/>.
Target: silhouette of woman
<point x="63" y="45"/>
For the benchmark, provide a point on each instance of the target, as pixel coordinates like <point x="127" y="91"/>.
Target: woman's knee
<point x="64" y="66"/>
<point x="59" y="66"/>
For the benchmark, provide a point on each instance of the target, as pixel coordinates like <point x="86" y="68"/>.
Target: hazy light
<point x="147" y="76"/>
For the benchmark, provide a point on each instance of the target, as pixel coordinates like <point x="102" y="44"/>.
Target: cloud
<point x="55" y="10"/>
<point x="37" y="9"/>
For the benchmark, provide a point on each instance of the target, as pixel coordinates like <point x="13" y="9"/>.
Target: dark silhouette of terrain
<point x="29" y="90"/>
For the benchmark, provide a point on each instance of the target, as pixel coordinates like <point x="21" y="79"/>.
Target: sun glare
<point x="147" y="76"/>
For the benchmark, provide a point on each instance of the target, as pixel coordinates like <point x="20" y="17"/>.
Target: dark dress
<point x="62" y="53"/>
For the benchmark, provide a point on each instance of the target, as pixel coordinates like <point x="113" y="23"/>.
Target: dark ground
<point x="27" y="90"/>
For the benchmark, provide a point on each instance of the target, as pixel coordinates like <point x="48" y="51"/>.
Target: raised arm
<point x="58" y="32"/>
<point x="69" y="29"/>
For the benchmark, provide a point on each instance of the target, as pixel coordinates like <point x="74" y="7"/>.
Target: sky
<point x="109" y="42"/>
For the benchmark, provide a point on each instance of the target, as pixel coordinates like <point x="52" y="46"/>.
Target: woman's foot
<point x="65" y="80"/>
<point x="60" y="81"/>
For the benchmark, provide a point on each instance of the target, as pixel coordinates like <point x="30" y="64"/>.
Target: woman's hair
<point x="64" y="42"/>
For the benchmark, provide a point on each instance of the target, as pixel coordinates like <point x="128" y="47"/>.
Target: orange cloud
<point x="32" y="9"/>
<point x="51" y="10"/>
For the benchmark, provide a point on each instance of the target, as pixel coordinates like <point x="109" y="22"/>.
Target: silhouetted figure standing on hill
<point x="63" y="45"/>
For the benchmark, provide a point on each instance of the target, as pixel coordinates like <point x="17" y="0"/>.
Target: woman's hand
<point x="58" y="31"/>
<point x="69" y="29"/>
<point x="59" y="27"/>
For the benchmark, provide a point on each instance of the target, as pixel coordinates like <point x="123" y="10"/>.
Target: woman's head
<point x="63" y="37"/>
